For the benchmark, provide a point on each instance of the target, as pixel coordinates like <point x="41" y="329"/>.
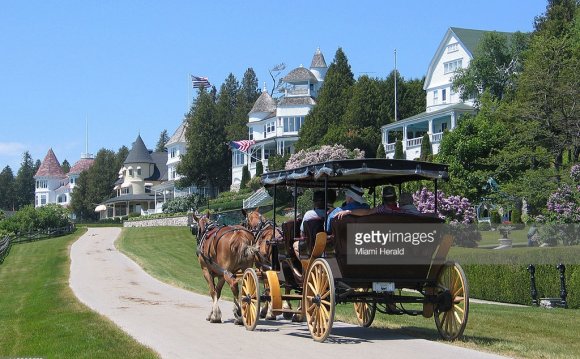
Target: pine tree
<point x="163" y="139"/>
<point x="24" y="185"/>
<point x="333" y="99"/>
<point x="399" y="154"/>
<point x="426" y="149"/>
<point x="381" y="151"/>
<point x="65" y="166"/>
<point x="7" y="189"/>
<point x="247" y="95"/>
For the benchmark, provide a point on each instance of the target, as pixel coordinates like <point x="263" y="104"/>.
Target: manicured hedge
<point x="510" y="283"/>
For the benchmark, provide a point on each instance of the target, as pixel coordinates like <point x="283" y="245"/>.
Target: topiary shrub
<point x="381" y="151"/>
<point x="259" y="168"/>
<point x="399" y="154"/>
<point x="495" y="217"/>
<point x="426" y="149"/>
<point x="245" y="177"/>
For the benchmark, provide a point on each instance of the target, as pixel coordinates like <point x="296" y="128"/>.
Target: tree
<point x="121" y="156"/>
<point x="549" y="85"/>
<point x="426" y="149"/>
<point x="332" y="101"/>
<point x="381" y="151"/>
<point x="247" y="95"/>
<point x="494" y="68"/>
<point x="24" y="185"/>
<point x="399" y="154"/>
<point x="203" y="164"/>
<point x="163" y="139"/>
<point x="411" y="95"/>
<point x="7" y="199"/>
<point x="245" y="177"/>
<point x="65" y="166"/>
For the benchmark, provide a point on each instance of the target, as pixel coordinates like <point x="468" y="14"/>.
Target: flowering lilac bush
<point x="575" y="173"/>
<point x="453" y="209"/>
<point x="324" y="153"/>
<point x="563" y="206"/>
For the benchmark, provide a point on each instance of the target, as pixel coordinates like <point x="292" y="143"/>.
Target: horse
<point x="264" y="232"/>
<point x="222" y="251"/>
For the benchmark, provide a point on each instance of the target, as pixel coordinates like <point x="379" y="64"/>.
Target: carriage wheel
<point x="319" y="299"/>
<point x="250" y="299"/>
<point x="451" y="318"/>
<point x="365" y="311"/>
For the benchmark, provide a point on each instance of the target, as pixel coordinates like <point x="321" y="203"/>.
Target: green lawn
<point x="168" y="253"/>
<point x="41" y="317"/>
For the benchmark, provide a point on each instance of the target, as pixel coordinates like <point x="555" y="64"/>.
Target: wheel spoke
<point x="458" y="308"/>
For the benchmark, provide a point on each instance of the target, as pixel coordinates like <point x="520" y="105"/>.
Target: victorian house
<point x="273" y="124"/>
<point x="444" y="106"/>
<point x="55" y="186"/>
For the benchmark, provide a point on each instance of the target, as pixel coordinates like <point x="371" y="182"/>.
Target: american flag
<point x="199" y="82"/>
<point x="243" y="145"/>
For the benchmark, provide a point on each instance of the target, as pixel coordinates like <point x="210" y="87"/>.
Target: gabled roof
<point x="50" y="167"/>
<point x="318" y="60"/>
<point x="160" y="168"/>
<point x="300" y="74"/>
<point x="264" y="103"/>
<point x="139" y="153"/>
<point x="179" y="135"/>
<point x="81" y="165"/>
<point x="468" y="38"/>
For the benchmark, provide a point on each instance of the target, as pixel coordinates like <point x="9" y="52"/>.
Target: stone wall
<point x="183" y="221"/>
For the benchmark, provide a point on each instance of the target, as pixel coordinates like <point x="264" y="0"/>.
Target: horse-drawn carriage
<point x="326" y="271"/>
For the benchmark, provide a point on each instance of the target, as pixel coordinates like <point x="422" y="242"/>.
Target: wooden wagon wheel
<point x="365" y="311"/>
<point x="250" y="299"/>
<point x="451" y="319"/>
<point x="319" y="299"/>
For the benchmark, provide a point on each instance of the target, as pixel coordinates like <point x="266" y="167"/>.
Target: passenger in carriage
<point x="389" y="205"/>
<point x="406" y="204"/>
<point x="317" y="213"/>
<point x="354" y="200"/>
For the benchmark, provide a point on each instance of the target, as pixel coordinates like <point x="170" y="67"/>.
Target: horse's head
<point x="253" y="219"/>
<point x="202" y="221"/>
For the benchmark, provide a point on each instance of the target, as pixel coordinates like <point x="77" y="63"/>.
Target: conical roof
<point x="139" y="153"/>
<point x="318" y="60"/>
<point x="264" y="103"/>
<point x="50" y="167"/>
<point x="300" y="74"/>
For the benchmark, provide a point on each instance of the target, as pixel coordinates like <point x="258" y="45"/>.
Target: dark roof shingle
<point x="139" y="153"/>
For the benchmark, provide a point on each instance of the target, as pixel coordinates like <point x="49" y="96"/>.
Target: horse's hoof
<point x="287" y="316"/>
<point x="215" y="320"/>
<point x="297" y="318"/>
<point x="239" y="321"/>
<point x="271" y="317"/>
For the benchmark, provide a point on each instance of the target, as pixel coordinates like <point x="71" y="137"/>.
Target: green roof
<point x="471" y="38"/>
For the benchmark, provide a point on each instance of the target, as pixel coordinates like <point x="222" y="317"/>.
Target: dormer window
<point x="452" y="48"/>
<point x="173" y="152"/>
<point x="130" y="171"/>
<point x="452" y="66"/>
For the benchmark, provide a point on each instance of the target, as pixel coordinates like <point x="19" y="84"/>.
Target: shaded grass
<point x="169" y="254"/>
<point x="41" y="317"/>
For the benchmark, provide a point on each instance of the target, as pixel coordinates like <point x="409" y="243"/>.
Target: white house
<point x="274" y="125"/>
<point x="52" y="184"/>
<point x="444" y="107"/>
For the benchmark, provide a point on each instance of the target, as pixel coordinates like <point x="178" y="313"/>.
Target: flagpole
<point x="395" y="85"/>
<point x="188" y="93"/>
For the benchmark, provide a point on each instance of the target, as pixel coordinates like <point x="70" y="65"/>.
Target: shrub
<point x="517" y="214"/>
<point x="426" y="149"/>
<point x="399" y="154"/>
<point x="381" y="151"/>
<point x="245" y="177"/>
<point x="259" y="168"/>
<point x="495" y="217"/>
<point x="255" y="184"/>
<point x="484" y="226"/>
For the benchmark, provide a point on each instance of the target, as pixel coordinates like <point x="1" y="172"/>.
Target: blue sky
<point x="124" y="65"/>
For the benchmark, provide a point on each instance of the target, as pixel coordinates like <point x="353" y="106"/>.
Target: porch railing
<point x="436" y="137"/>
<point x="413" y="142"/>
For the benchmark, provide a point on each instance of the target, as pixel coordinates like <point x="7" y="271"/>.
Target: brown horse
<point x="264" y="233"/>
<point x="222" y="251"/>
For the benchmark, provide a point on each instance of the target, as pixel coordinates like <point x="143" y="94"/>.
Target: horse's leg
<point x="212" y="292"/>
<point x="236" y="293"/>
<point x="217" y="313"/>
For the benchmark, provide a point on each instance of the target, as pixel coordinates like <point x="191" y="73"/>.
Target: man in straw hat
<point x="389" y="205"/>
<point x="353" y="200"/>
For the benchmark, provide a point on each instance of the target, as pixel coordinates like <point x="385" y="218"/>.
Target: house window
<point x="72" y="180"/>
<point x="42" y="184"/>
<point x="239" y="158"/>
<point x="293" y="124"/>
<point x="435" y="95"/>
<point x="452" y="48"/>
<point x="130" y="172"/>
<point x="444" y="95"/>
<point x="250" y="134"/>
<point x="125" y="190"/>
<point x="173" y="152"/>
<point x="42" y="200"/>
<point x="452" y="66"/>
<point x="139" y="169"/>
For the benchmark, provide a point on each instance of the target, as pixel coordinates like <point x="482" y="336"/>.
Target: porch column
<point x="262" y="153"/>
<point x="431" y="127"/>
<point x="453" y="124"/>
<point x="404" y="138"/>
